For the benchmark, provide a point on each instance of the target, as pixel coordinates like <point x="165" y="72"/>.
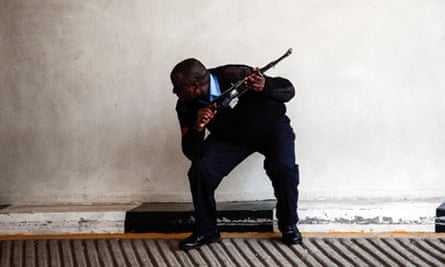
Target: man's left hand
<point x="255" y="81"/>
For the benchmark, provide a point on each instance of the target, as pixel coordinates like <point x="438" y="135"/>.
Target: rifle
<point x="229" y="98"/>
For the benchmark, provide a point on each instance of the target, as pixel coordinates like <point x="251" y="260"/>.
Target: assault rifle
<point x="229" y="98"/>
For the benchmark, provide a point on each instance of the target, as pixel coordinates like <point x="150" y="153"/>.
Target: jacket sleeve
<point x="279" y="89"/>
<point x="191" y="140"/>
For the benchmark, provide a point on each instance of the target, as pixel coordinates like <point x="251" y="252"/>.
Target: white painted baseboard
<point x="367" y="216"/>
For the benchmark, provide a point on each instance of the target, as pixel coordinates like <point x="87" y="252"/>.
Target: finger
<point x="248" y="85"/>
<point x="206" y="116"/>
<point x="213" y="107"/>
<point x="256" y="87"/>
<point x="257" y="72"/>
<point x="257" y="79"/>
<point x="253" y="79"/>
<point x="203" y="120"/>
<point x="259" y="76"/>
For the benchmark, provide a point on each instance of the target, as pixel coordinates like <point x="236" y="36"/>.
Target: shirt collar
<point x="214" y="90"/>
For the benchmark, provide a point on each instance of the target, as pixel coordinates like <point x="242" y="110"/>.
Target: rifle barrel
<point x="275" y="62"/>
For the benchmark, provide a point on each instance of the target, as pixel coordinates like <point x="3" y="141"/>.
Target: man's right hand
<point x="204" y="116"/>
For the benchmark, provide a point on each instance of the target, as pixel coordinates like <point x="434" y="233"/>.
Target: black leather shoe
<point x="195" y="241"/>
<point x="291" y="236"/>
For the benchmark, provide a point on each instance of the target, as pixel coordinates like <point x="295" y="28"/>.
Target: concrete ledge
<point x="72" y="219"/>
<point x="315" y="216"/>
<point x="367" y="216"/>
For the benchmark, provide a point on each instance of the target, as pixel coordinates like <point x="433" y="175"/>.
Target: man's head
<point x="190" y="79"/>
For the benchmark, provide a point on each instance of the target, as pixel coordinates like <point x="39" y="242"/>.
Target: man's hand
<point x="255" y="81"/>
<point x="204" y="116"/>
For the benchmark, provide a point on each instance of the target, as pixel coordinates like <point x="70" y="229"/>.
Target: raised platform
<point x="250" y="216"/>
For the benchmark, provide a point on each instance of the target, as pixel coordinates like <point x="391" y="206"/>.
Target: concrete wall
<point x="87" y="114"/>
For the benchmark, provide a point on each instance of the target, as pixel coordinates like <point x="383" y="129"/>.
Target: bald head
<point x="188" y="72"/>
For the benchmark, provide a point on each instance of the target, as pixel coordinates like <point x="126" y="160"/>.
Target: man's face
<point x="189" y="93"/>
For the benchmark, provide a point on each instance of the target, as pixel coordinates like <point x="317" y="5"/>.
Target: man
<point x="256" y="124"/>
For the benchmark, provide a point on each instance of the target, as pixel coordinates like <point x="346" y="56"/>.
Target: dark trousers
<point x="220" y="156"/>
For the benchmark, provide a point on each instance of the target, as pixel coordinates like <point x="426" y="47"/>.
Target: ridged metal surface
<point x="316" y="251"/>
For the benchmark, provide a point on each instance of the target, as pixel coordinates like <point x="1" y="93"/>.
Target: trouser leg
<point x="280" y="166"/>
<point x="218" y="158"/>
<point x="285" y="183"/>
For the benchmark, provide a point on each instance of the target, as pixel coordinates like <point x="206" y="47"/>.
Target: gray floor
<point x="327" y="250"/>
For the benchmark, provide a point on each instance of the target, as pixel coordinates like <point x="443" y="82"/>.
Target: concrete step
<point x="246" y="216"/>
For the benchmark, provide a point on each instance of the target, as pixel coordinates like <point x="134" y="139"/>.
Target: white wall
<point x="87" y="113"/>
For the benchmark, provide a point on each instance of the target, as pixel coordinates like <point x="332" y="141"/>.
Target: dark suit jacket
<point x="250" y="122"/>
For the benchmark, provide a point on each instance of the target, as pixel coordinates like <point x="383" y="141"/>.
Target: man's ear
<point x="196" y="84"/>
<point x="196" y="87"/>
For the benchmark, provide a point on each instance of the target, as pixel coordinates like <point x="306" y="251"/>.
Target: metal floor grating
<point x="232" y="251"/>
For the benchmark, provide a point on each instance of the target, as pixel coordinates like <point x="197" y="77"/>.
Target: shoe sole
<point x="216" y="239"/>
<point x="299" y="242"/>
